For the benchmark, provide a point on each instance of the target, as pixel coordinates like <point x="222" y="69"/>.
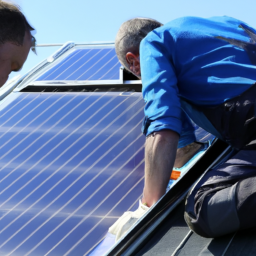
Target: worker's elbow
<point x="162" y="140"/>
<point x="164" y="136"/>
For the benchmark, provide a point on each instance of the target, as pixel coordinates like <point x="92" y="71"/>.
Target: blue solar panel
<point x="202" y="135"/>
<point x="85" y="64"/>
<point x="71" y="164"/>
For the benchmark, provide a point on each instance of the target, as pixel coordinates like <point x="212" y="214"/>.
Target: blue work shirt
<point x="202" y="61"/>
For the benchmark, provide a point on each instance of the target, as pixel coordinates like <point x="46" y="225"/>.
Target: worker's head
<point x="128" y="40"/>
<point x="15" y="39"/>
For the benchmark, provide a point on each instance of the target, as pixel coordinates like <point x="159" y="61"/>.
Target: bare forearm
<point x="160" y="152"/>
<point x="184" y="154"/>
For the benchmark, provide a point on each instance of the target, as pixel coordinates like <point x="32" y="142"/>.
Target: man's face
<point x="12" y="57"/>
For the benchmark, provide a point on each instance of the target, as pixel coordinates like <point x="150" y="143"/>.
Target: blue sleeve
<point x="187" y="135"/>
<point x="160" y="92"/>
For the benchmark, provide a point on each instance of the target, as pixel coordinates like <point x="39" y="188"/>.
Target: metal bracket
<point x="60" y="51"/>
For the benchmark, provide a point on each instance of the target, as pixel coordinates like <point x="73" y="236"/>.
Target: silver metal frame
<point x="83" y="82"/>
<point x="79" y="44"/>
<point x="40" y="66"/>
<point x="9" y="87"/>
<point x="60" y="51"/>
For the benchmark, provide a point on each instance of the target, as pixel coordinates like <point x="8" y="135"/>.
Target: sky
<point x="86" y="21"/>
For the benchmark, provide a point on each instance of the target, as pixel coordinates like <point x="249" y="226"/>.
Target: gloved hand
<point x="128" y="219"/>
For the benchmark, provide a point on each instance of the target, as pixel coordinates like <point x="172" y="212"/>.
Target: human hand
<point x="127" y="220"/>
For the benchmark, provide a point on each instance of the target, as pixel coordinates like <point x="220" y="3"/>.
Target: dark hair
<point x="130" y="35"/>
<point x="13" y="24"/>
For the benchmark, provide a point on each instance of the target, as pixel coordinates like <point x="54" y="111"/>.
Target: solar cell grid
<point x="70" y="165"/>
<point x="85" y="64"/>
<point x="78" y="155"/>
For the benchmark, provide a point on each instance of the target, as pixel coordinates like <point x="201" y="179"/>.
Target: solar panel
<point x="71" y="164"/>
<point x="202" y="135"/>
<point x="85" y="65"/>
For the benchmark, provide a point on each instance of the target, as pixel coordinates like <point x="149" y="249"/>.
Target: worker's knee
<point x="195" y="215"/>
<point x="217" y="214"/>
<point x="196" y="226"/>
<point x="246" y="202"/>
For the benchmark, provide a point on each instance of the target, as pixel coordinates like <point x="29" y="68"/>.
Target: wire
<point x="231" y="240"/>
<point x="183" y="242"/>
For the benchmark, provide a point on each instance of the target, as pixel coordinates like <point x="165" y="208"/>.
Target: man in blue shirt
<point x="206" y="68"/>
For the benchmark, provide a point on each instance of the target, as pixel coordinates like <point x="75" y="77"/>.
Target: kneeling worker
<point x="205" y="67"/>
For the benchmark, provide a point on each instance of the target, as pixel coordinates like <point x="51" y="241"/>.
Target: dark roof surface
<point x="169" y="236"/>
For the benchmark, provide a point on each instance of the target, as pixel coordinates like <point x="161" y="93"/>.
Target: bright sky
<point x="59" y="21"/>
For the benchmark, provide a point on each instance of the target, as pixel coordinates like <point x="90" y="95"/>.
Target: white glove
<point x="128" y="219"/>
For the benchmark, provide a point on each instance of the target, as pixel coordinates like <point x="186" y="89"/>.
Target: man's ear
<point x="133" y="61"/>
